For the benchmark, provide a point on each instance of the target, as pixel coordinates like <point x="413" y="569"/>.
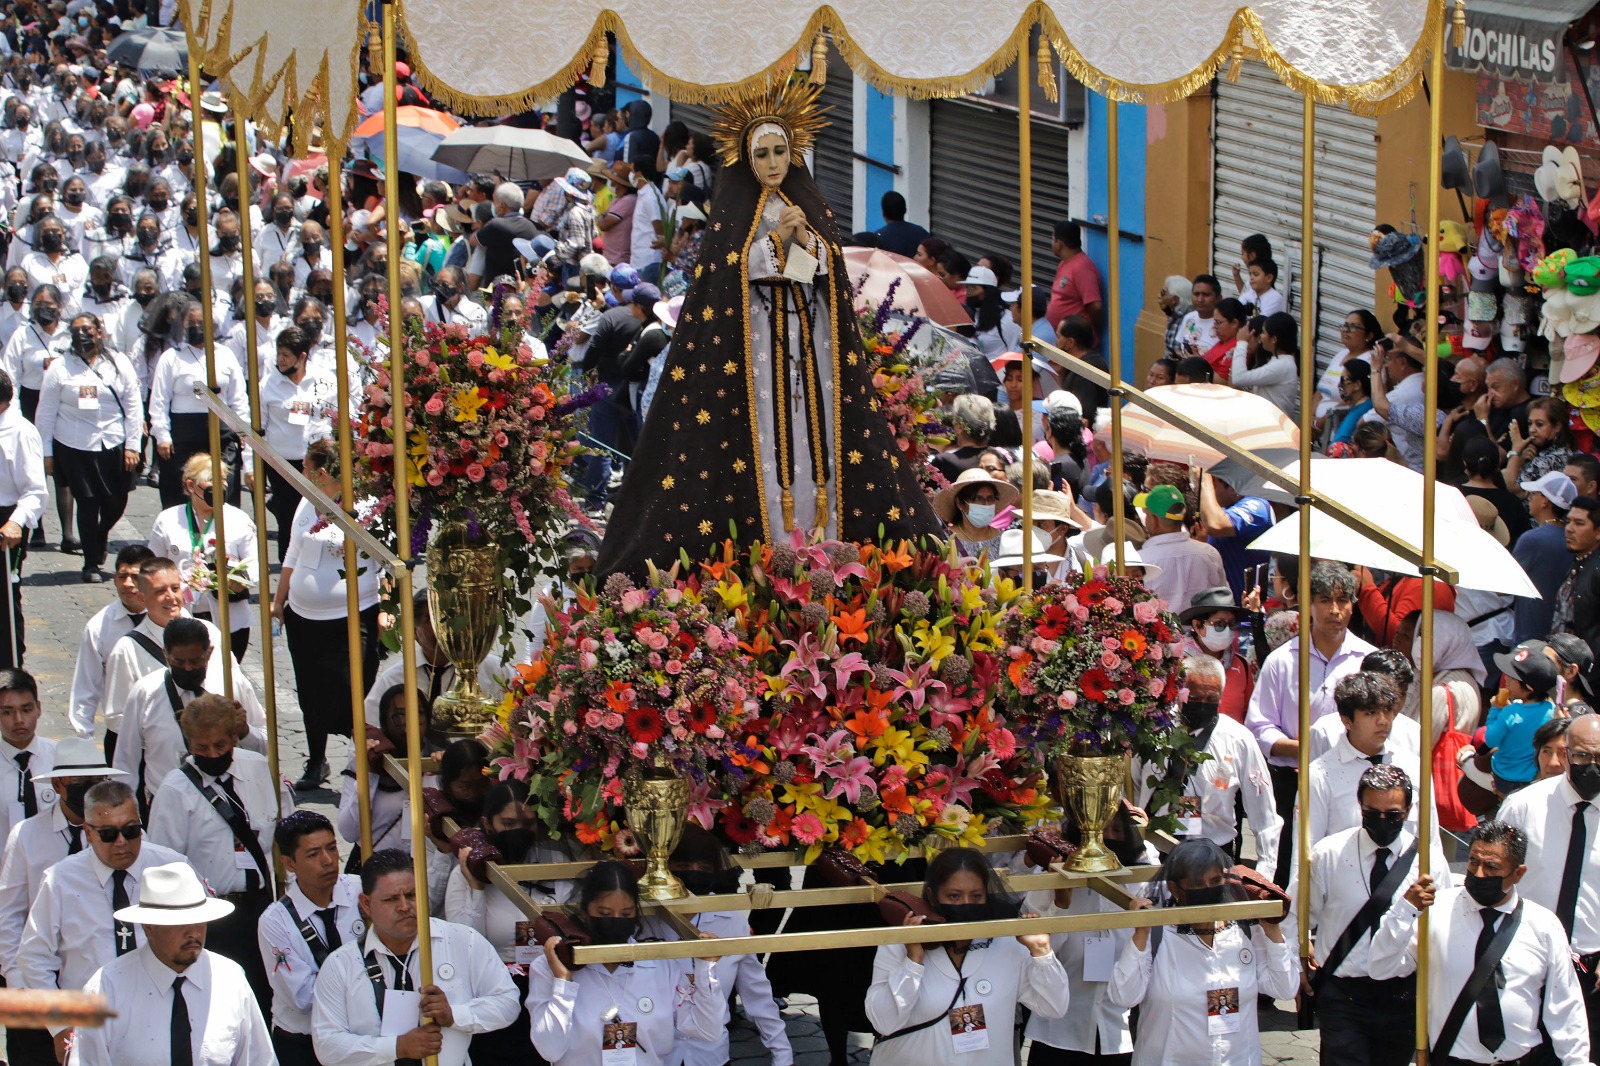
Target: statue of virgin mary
<point x="766" y="420"/>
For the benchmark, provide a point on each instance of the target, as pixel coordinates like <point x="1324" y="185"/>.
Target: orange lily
<point x="852" y="625"/>
<point x="867" y="724"/>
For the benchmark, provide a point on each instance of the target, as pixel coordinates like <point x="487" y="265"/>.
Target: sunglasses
<point x="108" y="833"/>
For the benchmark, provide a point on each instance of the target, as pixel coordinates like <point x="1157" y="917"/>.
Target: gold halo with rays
<point x="791" y="103"/>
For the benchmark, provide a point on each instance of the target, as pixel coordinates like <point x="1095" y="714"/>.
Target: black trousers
<point x="319" y="652"/>
<point x="234" y="937"/>
<point x="29" y="1047"/>
<point x="1589" y="982"/>
<point x="191" y="435"/>
<point x="293" y="1047"/>
<point x="1285" y="791"/>
<point x="282" y="502"/>
<point x="511" y="1046"/>
<point x="1045" y="1055"/>
<point x="239" y="639"/>
<point x="1366" y="1022"/>
<point x="11" y="610"/>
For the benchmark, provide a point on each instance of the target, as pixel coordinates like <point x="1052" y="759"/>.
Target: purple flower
<point x="587" y="398"/>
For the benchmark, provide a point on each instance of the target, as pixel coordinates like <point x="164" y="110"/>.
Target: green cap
<point x="1163" y="501"/>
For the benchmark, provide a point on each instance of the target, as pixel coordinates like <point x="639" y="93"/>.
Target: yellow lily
<point x="416" y="457"/>
<point x="467" y="402"/>
<point x="499" y="361"/>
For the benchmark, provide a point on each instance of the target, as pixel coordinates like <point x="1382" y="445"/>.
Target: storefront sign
<point x="1528" y="49"/>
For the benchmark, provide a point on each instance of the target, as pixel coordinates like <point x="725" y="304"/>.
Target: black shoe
<point x="37" y="540"/>
<point x="93" y="575"/>
<point x="316" y="773"/>
<point x="70" y="546"/>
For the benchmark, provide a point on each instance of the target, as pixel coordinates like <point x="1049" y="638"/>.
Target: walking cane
<point x="11" y="609"/>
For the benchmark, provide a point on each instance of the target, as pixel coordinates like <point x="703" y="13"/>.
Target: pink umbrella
<point x="873" y="271"/>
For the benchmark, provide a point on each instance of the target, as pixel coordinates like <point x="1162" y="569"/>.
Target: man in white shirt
<point x="34" y="846"/>
<point x="1397" y="398"/>
<point x="318" y="913"/>
<point x="1355" y="876"/>
<point x="23" y="496"/>
<point x="372" y="985"/>
<point x="100" y="634"/>
<point x="1557" y="815"/>
<point x="1368" y="705"/>
<point x="436" y="674"/>
<point x="24" y="755"/>
<point x="175" y="1001"/>
<point x="1531" y="984"/>
<point x="279" y="239"/>
<point x="1236" y="772"/>
<point x="1188" y="566"/>
<point x="220" y="808"/>
<point x="310" y="254"/>
<point x="150" y="733"/>
<point x="449" y="306"/>
<point x="71" y="931"/>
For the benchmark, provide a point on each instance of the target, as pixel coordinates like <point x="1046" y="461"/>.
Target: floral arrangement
<point x="487" y="443"/>
<point x="873" y="668"/>
<point x="638" y="679"/>
<point x="1093" y="666"/>
<point x="901" y="376"/>
<point x="200" y="572"/>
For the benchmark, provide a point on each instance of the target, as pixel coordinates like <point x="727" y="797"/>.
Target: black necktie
<point x="136" y="618"/>
<point x="1572" y="872"/>
<point x="1375" y="760"/>
<point x="119" y="900"/>
<point x="252" y="879"/>
<point x="1380" y="869"/>
<point x="30" y="803"/>
<point x="1491" y="1023"/>
<point x="402" y="974"/>
<point x="75" y="845"/>
<point x="182" y="1049"/>
<point x="330" y="928"/>
<point x="435" y="681"/>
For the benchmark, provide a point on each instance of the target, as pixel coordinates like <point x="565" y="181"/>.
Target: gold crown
<point x="791" y="103"/>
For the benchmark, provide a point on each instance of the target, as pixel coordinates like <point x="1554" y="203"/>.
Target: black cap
<point x="1529" y="664"/>
<point x="1574" y="651"/>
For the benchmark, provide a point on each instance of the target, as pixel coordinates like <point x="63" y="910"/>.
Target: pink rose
<point x="434" y="406"/>
<point x="475" y="471"/>
<point x="434" y="477"/>
<point x="674" y="716"/>
<point x="540" y="450"/>
<point x="1146" y="611"/>
<point x="671" y="596"/>
<point x="1081" y="613"/>
<point x="1110" y="660"/>
<point x="501" y="440"/>
<point x="537" y="412"/>
<point x="588" y="660"/>
<point x="588" y="644"/>
<point x="674" y="667"/>
<point x="1110" y="643"/>
<point x="1112" y="604"/>
<point x="1157" y="686"/>
<point x="1125" y="696"/>
<point x="475" y="359"/>
<point x="1068" y="700"/>
<point x="499" y="484"/>
<point x="640" y="750"/>
<point x="632" y="600"/>
<point x="612" y="721"/>
<point x="569" y="728"/>
<point x="592" y="719"/>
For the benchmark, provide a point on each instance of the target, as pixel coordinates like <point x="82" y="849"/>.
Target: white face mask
<point x="1218" y="639"/>
<point x="980" y="514"/>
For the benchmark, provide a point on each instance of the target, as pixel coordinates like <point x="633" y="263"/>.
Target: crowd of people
<point x="143" y="870"/>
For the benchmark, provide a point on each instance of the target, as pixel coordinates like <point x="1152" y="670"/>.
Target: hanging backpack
<point x="1453" y="813"/>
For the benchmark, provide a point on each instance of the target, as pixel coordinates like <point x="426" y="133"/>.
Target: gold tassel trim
<point x="602" y="59"/>
<point x="788" y="511"/>
<point x="822" y="510"/>
<point x="1459" y="21"/>
<point x="1235" y="62"/>
<point x="1047" y="72"/>
<point x="374" y="47"/>
<point x="819" y="61"/>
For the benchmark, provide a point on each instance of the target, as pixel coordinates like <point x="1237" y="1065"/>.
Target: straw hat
<point x="1489" y="518"/>
<point x="944" y="504"/>
<point x="77" y="757"/>
<point x="1053" y="506"/>
<point x="173" y="895"/>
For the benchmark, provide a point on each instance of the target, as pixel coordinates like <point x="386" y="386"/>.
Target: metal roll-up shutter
<point x="975" y="192"/>
<point x="1256" y="151"/>
<point x="833" y="162"/>
<point x="698" y="117"/>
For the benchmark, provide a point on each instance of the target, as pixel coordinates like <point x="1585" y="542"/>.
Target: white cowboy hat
<point x="77" y="757"/>
<point x="1011" y="549"/>
<point x="173" y="895"/>
<point x="1130" y="558"/>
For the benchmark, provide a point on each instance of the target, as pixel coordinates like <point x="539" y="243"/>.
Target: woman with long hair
<point x="1276" y="374"/>
<point x="993" y="327"/>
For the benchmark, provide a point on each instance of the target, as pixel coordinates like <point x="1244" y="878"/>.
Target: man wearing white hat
<point x="174" y="1002"/>
<point x="1009" y="562"/>
<point x="72" y="930"/>
<point x="35" y="845"/>
<point x="370" y="1002"/>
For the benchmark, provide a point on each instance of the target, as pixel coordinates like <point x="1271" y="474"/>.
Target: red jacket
<point x="1385" y="606"/>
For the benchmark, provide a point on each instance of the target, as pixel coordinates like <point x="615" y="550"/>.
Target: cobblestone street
<point x="57" y="604"/>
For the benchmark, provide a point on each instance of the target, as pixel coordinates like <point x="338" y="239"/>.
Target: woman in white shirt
<point x="33" y="346"/>
<point x="511" y="826"/>
<point x="994" y="329"/>
<point x="298" y="406"/>
<point x="957" y="1001"/>
<point x="310" y="599"/>
<point x="1277" y="376"/>
<point x="179" y="419"/>
<point x="54" y="262"/>
<point x="599" y="1014"/>
<point x="1360" y="333"/>
<point x="1197" y="987"/>
<point x="186" y="534"/>
<point x="90" y="420"/>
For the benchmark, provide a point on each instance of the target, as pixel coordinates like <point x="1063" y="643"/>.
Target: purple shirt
<point x="1274" y="712"/>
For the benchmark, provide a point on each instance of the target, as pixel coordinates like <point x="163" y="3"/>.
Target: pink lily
<point x="850" y="778"/>
<point x="806" y="661"/>
<point x="847" y="667"/>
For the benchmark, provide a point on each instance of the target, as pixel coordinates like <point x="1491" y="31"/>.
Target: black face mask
<point x="73" y="198"/>
<point x="196" y="335"/>
<point x="1203" y="897"/>
<point x="16" y="293"/>
<point x="1197" y="714"/>
<point x="149" y="238"/>
<point x="964" y="912"/>
<point x="84" y="343"/>
<point x="229" y="243"/>
<point x="443" y="293"/>
<point x="1485" y="891"/>
<point x="78" y="793"/>
<point x="51" y="241"/>
<point x="158" y="206"/>
<point x="1585" y="779"/>
<point x="514" y="844"/>
<point x="1383" y="831"/>
<point x="120" y="223"/>
<point x="283" y="218"/>
<point x="46" y="315"/>
<point x="48" y="185"/>
<point x="143" y="299"/>
<point x="23" y="121"/>
<point x="312" y="328"/>
<point x="97" y="166"/>
<point x="191" y="218"/>
<point x="611" y="930"/>
<point x="192" y="681"/>
<point x="213" y="765"/>
<point x="185" y="158"/>
<point x="313" y="249"/>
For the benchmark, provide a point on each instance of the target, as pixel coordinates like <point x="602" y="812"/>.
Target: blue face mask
<point x="980" y="514"/>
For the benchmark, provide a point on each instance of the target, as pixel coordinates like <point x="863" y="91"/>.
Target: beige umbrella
<point x="1250" y="421"/>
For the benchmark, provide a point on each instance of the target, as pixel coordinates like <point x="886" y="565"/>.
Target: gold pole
<point x="1430" y="392"/>
<point x="219" y="479"/>
<point x="347" y="499"/>
<point x="1308" y="374"/>
<point x="258" y="470"/>
<point x="402" y="501"/>
<point x="1113" y="334"/>
<point x="1025" y="156"/>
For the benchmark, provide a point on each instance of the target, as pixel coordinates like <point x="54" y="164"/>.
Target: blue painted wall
<point x="880" y="146"/>
<point x="626" y="76"/>
<point x="1131" y="160"/>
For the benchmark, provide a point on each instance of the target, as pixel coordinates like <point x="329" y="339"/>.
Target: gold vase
<point x="655" y="804"/>
<point x="466" y="584"/>
<point x="1090" y="791"/>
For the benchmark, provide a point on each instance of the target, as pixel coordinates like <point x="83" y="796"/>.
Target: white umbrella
<point x="1391" y="494"/>
<point x="514" y="153"/>
<point x="1252" y="422"/>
